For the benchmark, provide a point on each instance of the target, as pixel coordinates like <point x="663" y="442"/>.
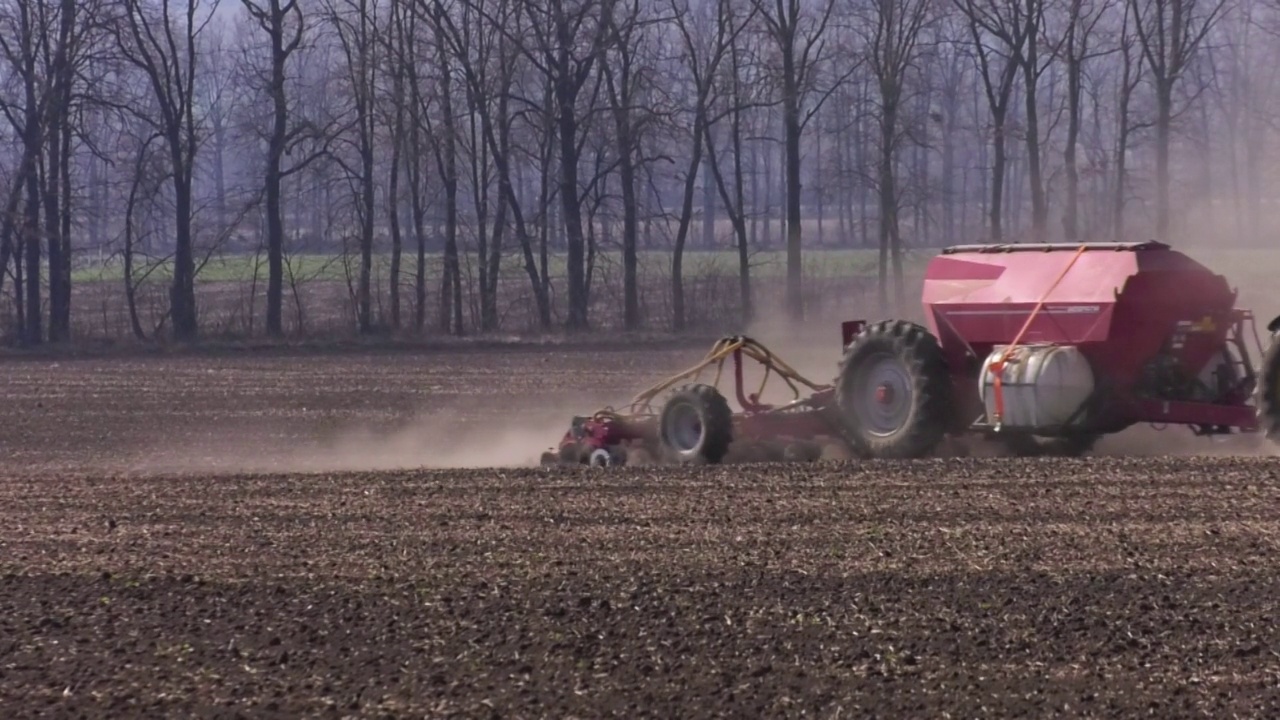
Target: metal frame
<point x="806" y="416"/>
<point x="1050" y="247"/>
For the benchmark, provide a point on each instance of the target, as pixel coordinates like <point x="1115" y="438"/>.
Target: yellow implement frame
<point x="734" y="346"/>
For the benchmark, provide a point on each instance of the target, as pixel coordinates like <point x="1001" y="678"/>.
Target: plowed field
<point x="265" y="536"/>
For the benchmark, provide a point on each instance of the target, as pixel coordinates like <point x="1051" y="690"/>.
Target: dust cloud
<point x="441" y="439"/>
<point x="813" y="346"/>
<point x="436" y="441"/>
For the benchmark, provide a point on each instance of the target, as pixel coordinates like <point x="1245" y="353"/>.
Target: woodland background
<point x="183" y="169"/>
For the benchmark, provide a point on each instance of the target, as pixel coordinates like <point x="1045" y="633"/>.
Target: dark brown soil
<point x="135" y="581"/>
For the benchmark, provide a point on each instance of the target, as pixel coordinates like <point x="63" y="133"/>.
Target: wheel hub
<point x="685" y="429"/>
<point x="884" y="394"/>
<point x="884" y="404"/>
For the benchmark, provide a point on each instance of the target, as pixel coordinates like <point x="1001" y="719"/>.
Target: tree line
<point x="556" y="135"/>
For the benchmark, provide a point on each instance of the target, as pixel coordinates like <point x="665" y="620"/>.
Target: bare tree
<point x="284" y="25"/>
<point x="61" y="68"/>
<point x="24" y="35"/>
<point x="1246" y="100"/>
<point x="951" y="69"/>
<point x="799" y="33"/>
<point x="355" y="23"/>
<point x="1033" y="65"/>
<point x="500" y="134"/>
<point x="705" y="49"/>
<point x="394" y="37"/>
<point x="1128" y="83"/>
<point x="410" y="49"/>
<point x="625" y="82"/>
<point x="893" y="33"/>
<point x="446" y="151"/>
<point x="489" y="60"/>
<point x="475" y="46"/>
<point x="568" y="38"/>
<point x="1083" y="17"/>
<point x="148" y="176"/>
<point x="742" y="96"/>
<point x="998" y="30"/>
<point x="1169" y="32"/>
<point x="163" y="48"/>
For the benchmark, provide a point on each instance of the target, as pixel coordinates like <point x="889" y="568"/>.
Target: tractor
<point x="1043" y="348"/>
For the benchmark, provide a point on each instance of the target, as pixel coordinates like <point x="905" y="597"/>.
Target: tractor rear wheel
<point x="1269" y="391"/>
<point x="894" y="391"/>
<point x="696" y="425"/>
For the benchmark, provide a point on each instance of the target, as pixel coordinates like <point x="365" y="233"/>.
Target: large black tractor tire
<point x="1268" y="392"/>
<point x="696" y="425"/>
<point x="894" y="391"/>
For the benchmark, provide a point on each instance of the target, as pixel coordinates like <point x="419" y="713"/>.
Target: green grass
<point x="241" y="268"/>
<point x="1242" y="266"/>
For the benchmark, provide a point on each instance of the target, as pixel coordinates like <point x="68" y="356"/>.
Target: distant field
<point x="230" y="289"/>
<point x="764" y="264"/>
<point x="241" y="268"/>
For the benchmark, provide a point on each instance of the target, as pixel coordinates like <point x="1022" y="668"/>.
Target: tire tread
<point x="922" y="355"/>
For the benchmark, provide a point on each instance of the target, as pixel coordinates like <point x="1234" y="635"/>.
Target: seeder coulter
<point x="1043" y="348"/>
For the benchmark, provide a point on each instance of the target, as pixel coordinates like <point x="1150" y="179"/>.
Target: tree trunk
<point x="500" y="147"/>
<point x="1039" y="205"/>
<point x="393" y="198"/>
<point x="275" y="222"/>
<point x="58" y="192"/>
<point x="489" y="294"/>
<point x="619" y="79"/>
<point x="182" y="293"/>
<point x="33" y="333"/>
<point x="1164" y="120"/>
<point x="273" y="21"/>
<point x="888" y="194"/>
<point x="1071" y="214"/>
<point x="678" y="316"/>
<point x="737" y="207"/>
<point x="708" y="208"/>
<point x="817" y="197"/>
<point x="949" y="170"/>
<point x="419" y="235"/>
<point x="365" y="289"/>
<point x="795" y="291"/>
<point x="451" y="282"/>
<point x="1128" y="83"/>
<point x="63" y="315"/>
<point x="630" y="233"/>
<point x="417" y="204"/>
<point x="32" y="131"/>
<point x="547" y="212"/>
<point x="130" y="290"/>
<point x="53" y="231"/>
<point x="9" y="250"/>
<point x="567" y="123"/>
<point x="995" y="211"/>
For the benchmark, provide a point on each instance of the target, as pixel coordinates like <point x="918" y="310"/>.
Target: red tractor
<point x="1043" y="347"/>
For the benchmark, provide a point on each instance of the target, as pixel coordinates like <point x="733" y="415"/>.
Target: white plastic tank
<point x="1043" y="386"/>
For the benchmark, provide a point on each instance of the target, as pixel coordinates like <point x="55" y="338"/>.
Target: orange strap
<point x="997" y="367"/>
